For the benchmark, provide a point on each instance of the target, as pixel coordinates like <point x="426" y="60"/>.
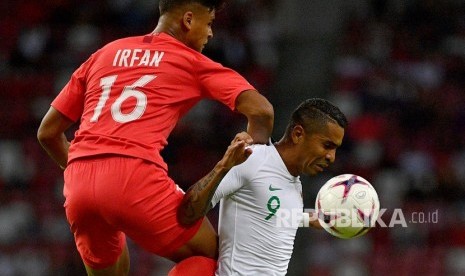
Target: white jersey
<point x="261" y="203"/>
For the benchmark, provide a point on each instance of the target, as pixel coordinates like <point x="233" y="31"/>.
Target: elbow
<point x="186" y="214"/>
<point x="184" y="222"/>
<point x="265" y="112"/>
<point x="42" y="136"/>
<point x="254" y="105"/>
<point x="46" y="137"/>
<point x="261" y="123"/>
<point x="268" y="112"/>
<point x="262" y="114"/>
<point x="262" y="107"/>
<point x="184" y="219"/>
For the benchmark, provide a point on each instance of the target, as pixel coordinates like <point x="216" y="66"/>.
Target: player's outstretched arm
<point x="197" y="200"/>
<point x="313" y="221"/>
<point x="310" y="219"/>
<point x="259" y="113"/>
<point x="51" y="135"/>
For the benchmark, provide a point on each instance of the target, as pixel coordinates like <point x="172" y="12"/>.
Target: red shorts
<point x="113" y="196"/>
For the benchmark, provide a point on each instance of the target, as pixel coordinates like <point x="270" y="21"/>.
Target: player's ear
<point x="187" y="20"/>
<point x="298" y="133"/>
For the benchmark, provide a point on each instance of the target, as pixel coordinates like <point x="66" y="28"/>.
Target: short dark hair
<point x="168" y="5"/>
<point x="312" y="114"/>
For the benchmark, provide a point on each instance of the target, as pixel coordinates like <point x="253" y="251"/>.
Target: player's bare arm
<point x="259" y="113"/>
<point x="197" y="200"/>
<point x="313" y="220"/>
<point x="52" y="137"/>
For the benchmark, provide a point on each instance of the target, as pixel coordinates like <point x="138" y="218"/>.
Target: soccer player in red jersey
<point x="128" y="97"/>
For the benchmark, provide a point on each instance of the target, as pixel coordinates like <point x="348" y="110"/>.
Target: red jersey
<point x="130" y="94"/>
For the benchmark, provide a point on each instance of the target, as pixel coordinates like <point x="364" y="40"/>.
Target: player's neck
<point x="285" y="151"/>
<point x="167" y="25"/>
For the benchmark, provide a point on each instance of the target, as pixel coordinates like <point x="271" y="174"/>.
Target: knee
<point x="194" y="266"/>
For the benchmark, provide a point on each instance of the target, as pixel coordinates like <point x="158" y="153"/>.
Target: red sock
<point x="194" y="266"/>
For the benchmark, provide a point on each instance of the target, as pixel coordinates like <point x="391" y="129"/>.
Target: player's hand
<point x="237" y="151"/>
<point x="243" y="136"/>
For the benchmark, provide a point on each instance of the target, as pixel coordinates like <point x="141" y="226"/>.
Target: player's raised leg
<point x="194" y="266"/>
<point x="198" y="256"/>
<point x="203" y="243"/>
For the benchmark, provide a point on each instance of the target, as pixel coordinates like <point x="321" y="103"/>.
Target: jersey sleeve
<point x="220" y="83"/>
<point x="70" y="101"/>
<point x="236" y="178"/>
<point x="232" y="182"/>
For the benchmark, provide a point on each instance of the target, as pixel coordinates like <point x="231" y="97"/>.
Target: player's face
<point x="318" y="151"/>
<point x="200" y="28"/>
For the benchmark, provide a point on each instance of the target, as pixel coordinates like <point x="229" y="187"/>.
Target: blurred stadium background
<point x="396" y="68"/>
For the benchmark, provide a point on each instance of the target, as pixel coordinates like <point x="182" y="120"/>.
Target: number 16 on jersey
<point x="129" y="91"/>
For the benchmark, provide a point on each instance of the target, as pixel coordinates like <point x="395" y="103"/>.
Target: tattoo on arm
<point x="198" y="189"/>
<point x="197" y="200"/>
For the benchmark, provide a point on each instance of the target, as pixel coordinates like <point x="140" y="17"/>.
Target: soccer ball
<point x="347" y="206"/>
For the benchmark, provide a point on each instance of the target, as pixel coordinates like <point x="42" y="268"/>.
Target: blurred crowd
<point x="42" y="43"/>
<point x="398" y="74"/>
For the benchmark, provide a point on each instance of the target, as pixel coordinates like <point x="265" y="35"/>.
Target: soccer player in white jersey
<point x="261" y="199"/>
